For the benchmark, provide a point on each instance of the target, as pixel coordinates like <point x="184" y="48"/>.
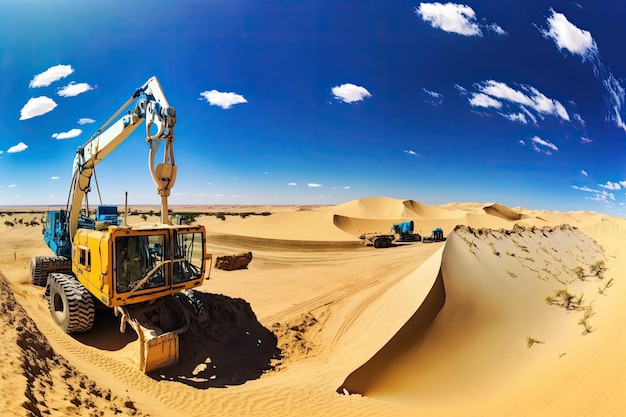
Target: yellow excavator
<point x="144" y="273"/>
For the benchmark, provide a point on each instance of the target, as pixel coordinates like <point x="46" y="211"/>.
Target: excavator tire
<point x="382" y="243"/>
<point x="189" y="298"/>
<point x="70" y="304"/>
<point x="42" y="266"/>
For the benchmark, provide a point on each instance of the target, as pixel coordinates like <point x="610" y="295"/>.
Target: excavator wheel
<point x="41" y="266"/>
<point x="70" y="304"/>
<point x="382" y="243"/>
<point x="192" y="302"/>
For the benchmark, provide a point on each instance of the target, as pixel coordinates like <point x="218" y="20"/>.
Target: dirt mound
<point x="34" y="377"/>
<point x="232" y="262"/>
<point x="227" y="347"/>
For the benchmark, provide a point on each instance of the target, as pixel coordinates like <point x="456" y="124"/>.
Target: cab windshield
<point x="148" y="261"/>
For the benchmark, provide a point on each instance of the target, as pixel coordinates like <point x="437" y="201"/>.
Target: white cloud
<point x="529" y="114"/>
<point x="521" y="142"/>
<point x="515" y="117"/>
<point x="613" y="186"/>
<point x="12" y="185"/>
<point x="604" y="196"/>
<point x="585" y="188"/>
<point x="222" y="99"/>
<point x="433" y="94"/>
<point x="497" y="29"/>
<point x="538" y="140"/>
<point x="411" y="152"/>
<point x="85" y="120"/>
<point x="349" y="93"/>
<point x="314" y="185"/>
<point x="436" y="98"/>
<point x="54" y="178"/>
<point x="529" y="97"/>
<point x="462" y="90"/>
<point x="73" y="89"/>
<point x="579" y="119"/>
<point x="293" y="184"/>
<point x="450" y="17"/>
<point x="598" y="195"/>
<point x="347" y="187"/>
<point x="569" y="37"/>
<point x="454" y="18"/>
<point x="67" y="135"/>
<point x="36" y="107"/>
<point x="585" y="139"/>
<point x="483" y="100"/>
<point x="582" y="171"/>
<point x="51" y="75"/>
<point x="20" y="147"/>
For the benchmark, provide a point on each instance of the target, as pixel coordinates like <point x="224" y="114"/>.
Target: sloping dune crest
<point x="432" y="212"/>
<point x="357" y="226"/>
<point x="494" y="334"/>
<point x="501" y="211"/>
<point x="373" y="208"/>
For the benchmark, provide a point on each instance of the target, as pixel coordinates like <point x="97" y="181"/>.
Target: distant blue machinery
<point x="405" y="231"/>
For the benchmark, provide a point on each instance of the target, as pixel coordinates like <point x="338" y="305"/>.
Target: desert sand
<point x="519" y="312"/>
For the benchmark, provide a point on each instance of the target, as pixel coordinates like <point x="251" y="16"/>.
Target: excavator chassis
<point x="158" y="323"/>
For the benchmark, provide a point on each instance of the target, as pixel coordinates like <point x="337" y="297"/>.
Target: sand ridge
<point x="415" y="329"/>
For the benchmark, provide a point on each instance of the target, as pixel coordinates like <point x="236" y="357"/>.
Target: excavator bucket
<point x="159" y="352"/>
<point x="158" y="325"/>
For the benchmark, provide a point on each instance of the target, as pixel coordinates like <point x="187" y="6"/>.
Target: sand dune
<point x="372" y="208"/>
<point x="502" y="211"/>
<point x="432" y="212"/>
<point x="416" y="329"/>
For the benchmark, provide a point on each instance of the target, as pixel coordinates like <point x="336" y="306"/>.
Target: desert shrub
<point x="584" y="321"/>
<point x="221" y="216"/>
<point x="565" y="299"/>
<point x="579" y="272"/>
<point x="606" y="286"/>
<point x="188" y="218"/>
<point x="531" y="341"/>
<point x="9" y="223"/>
<point x="597" y="269"/>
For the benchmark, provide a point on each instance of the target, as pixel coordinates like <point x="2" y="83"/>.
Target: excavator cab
<point x="143" y="262"/>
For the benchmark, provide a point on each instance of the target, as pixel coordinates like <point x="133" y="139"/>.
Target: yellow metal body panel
<point x="164" y="260"/>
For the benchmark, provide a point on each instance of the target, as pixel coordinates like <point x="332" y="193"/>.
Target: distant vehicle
<point x="400" y="232"/>
<point x="436" y="236"/>
<point x="405" y="232"/>
<point x="377" y="240"/>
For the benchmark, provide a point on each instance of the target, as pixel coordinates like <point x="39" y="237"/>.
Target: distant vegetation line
<point x="183" y="217"/>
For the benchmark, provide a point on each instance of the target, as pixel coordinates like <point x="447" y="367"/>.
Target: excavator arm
<point x="150" y="105"/>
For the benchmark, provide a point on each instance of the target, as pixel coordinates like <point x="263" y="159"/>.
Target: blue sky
<point x="323" y="102"/>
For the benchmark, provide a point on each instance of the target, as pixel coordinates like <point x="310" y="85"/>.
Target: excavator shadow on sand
<point x="224" y="344"/>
